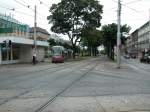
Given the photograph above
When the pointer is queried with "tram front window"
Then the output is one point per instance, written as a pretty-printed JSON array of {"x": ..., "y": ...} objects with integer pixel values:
[{"x": 56, "y": 52}]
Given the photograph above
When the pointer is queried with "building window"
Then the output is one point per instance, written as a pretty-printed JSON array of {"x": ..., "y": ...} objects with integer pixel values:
[
  {"x": 6, "y": 52},
  {"x": 16, "y": 52}
]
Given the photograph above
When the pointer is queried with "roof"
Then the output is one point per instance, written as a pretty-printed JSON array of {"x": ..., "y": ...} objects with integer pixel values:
[
  {"x": 147, "y": 23},
  {"x": 38, "y": 29},
  {"x": 140, "y": 27}
]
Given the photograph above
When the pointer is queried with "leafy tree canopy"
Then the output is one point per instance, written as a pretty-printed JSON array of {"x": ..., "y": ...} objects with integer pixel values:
[
  {"x": 110, "y": 32},
  {"x": 71, "y": 16},
  {"x": 110, "y": 37},
  {"x": 52, "y": 42},
  {"x": 92, "y": 37}
]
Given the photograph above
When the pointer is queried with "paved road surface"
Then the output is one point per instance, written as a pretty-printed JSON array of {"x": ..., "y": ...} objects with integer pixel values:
[{"x": 92, "y": 85}]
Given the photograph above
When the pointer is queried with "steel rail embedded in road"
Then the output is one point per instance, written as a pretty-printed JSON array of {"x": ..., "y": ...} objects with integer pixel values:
[
  {"x": 51, "y": 99},
  {"x": 36, "y": 71},
  {"x": 29, "y": 90}
]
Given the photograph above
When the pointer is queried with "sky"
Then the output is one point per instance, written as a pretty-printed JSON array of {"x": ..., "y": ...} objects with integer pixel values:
[{"x": 134, "y": 13}]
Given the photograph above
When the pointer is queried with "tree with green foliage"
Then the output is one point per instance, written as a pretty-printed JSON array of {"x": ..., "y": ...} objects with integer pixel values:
[
  {"x": 69, "y": 17},
  {"x": 110, "y": 37},
  {"x": 66, "y": 45},
  {"x": 52, "y": 42},
  {"x": 92, "y": 38}
]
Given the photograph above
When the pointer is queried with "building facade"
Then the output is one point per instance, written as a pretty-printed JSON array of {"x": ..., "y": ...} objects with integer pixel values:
[
  {"x": 139, "y": 40},
  {"x": 144, "y": 37},
  {"x": 16, "y": 44},
  {"x": 132, "y": 45},
  {"x": 41, "y": 34}
]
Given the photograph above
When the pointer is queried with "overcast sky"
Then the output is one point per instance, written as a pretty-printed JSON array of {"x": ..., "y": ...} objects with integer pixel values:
[{"x": 134, "y": 12}]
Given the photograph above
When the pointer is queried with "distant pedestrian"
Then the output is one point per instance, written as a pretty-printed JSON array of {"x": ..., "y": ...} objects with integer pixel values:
[{"x": 34, "y": 57}]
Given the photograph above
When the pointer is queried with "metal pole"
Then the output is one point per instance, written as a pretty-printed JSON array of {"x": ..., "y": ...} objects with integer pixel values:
[
  {"x": 149, "y": 29},
  {"x": 7, "y": 48},
  {"x": 35, "y": 24},
  {"x": 118, "y": 35},
  {"x": 0, "y": 54},
  {"x": 11, "y": 52}
]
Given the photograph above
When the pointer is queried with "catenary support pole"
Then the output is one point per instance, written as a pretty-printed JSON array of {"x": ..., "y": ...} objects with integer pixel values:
[
  {"x": 118, "y": 35},
  {"x": 35, "y": 25},
  {"x": 149, "y": 29}
]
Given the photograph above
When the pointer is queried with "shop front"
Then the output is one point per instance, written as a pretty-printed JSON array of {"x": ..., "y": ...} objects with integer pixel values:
[{"x": 17, "y": 50}]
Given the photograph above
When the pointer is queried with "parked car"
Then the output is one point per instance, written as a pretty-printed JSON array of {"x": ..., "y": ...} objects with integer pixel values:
[
  {"x": 133, "y": 56},
  {"x": 145, "y": 58},
  {"x": 127, "y": 56}
]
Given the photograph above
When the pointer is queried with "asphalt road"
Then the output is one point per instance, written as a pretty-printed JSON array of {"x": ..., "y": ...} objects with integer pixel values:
[{"x": 91, "y": 85}]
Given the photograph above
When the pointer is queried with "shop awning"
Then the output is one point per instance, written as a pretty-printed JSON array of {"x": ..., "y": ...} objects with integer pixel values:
[{"x": 25, "y": 41}]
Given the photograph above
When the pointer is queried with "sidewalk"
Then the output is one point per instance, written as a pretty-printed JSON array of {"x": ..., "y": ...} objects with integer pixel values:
[
  {"x": 136, "y": 64},
  {"x": 46, "y": 61},
  {"x": 28, "y": 67},
  {"x": 132, "y": 103}
]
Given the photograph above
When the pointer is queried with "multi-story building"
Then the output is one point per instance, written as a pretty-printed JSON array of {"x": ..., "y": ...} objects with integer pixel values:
[
  {"x": 41, "y": 34},
  {"x": 16, "y": 44},
  {"x": 133, "y": 44},
  {"x": 129, "y": 43},
  {"x": 139, "y": 40},
  {"x": 144, "y": 37}
]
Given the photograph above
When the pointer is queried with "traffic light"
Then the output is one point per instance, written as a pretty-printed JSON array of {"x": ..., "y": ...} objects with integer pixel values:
[
  {"x": 4, "y": 44},
  {"x": 9, "y": 43}
]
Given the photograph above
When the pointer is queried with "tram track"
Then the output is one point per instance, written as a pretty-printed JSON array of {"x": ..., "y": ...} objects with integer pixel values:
[
  {"x": 54, "y": 68},
  {"x": 31, "y": 89},
  {"x": 52, "y": 99},
  {"x": 31, "y": 72}
]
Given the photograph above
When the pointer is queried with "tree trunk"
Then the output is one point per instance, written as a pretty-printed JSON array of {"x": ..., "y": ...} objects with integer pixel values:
[
  {"x": 91, "y": 51},
  {"x": 95, "y": 51},
  {"x": 112, "y": 53},
  {"x": 110, "y": 49},
  {"x": 74, "y": 51}
]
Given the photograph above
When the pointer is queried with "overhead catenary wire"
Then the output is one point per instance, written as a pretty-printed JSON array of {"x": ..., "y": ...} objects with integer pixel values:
[
  {"x": 132, "y": 9},
  {"x": 14, "y": 10},
  {"x": 24, "y": 1},
  {"x": 41, "y": 2},
  {"x": 110, "y": 11},
  {"x": 126, "y": 5},
  {"x": 134, "y": 1},
  {"x": 23, "y": 13},
  {"x": 7, "y": 8},
  {"x": 28, "y": 6},
  {"x": 41, "y": 16},
  {"x": 140, "y": 19},
  {"x": 20, "y": 12},
  {"x": 21, "y": 3}
]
